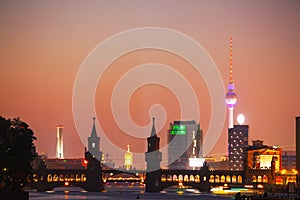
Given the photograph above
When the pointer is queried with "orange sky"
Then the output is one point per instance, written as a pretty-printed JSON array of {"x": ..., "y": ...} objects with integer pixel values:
[{"x": 43, "y": 44}]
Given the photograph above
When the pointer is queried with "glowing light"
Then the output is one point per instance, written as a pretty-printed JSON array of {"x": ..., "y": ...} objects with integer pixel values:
[
  {"x": 180, "y": 192},
  {"x": 85, "y": 162},
  {"x": 260, "y": 186},
  {"x": 67, "y": 183},
  {"x": 178, "y": 130},
  {"x": 241, "y": 119},
  {"x": 128, "y": 159},
  {"x": 295, "y": 171},
  {"x": 196, "y": 162}
]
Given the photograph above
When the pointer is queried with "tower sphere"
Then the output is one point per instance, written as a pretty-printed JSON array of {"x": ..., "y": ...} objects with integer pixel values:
[
  {"x": 231, "y": 99},
  {"x": 241, "y": 119}
]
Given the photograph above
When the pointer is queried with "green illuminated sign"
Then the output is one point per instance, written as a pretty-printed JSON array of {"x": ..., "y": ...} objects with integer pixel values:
[{"x": 178, "y": 130}]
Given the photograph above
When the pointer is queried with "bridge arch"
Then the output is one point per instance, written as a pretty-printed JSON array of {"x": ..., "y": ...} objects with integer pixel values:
[
  {"x": 228, "y": 179},
  {"x": 175, "y": 178},
  {"x": 61, "y": 178},
  {"x": 83, "y": 178},
  {"x": 197, "y": 178},
  {"x": 49, "y": 178},
  {"x": 192, "y": 178},
  {"x": 217, "y": 179},
  {"x": 222, "y": 179},
  {"x": 265, "y": 179},
  {"x": 259, "y": 178},
  {"x": 211, "y": 178},
  {"x": 240, "y": 179},
  {"x": 186, "y": 178},
  {"x": 169, "y": 178},
  {"x": 163, "y": 178},
  {"x": 233, "y": 179},
  {"x": 180, "y": 178},
  {"x": 55, "y": 178}
]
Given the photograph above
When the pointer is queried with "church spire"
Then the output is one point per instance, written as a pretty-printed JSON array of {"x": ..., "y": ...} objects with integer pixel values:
[
  {"x": 153, "y": 131},
  {"x": 94, "y": 132}
]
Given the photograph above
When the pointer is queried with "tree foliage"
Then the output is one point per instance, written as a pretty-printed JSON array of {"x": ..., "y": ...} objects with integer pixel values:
[{"x": 17, "y": 150}]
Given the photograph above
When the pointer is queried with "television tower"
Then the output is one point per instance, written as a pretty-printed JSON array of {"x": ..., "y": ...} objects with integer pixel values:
[{"x": 231, "y": 97}]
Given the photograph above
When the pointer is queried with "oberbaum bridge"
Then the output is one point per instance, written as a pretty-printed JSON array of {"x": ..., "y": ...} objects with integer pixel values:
[{"x": 93, "y": 178}]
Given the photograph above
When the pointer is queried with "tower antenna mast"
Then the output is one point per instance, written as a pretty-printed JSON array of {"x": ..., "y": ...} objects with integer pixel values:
[
  {"x": 231, "y": 97},
  {"x": 230, "y": 79}
]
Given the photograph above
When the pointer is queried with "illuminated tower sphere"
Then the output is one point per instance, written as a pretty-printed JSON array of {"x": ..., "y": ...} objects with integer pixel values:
[
  {"x": 59, "y": 142},
  {"x": 231, "y": 97},
  {"x": 128, "y": 159}
]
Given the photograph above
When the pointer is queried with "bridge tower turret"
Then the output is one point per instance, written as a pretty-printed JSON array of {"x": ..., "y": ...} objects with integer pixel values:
[
  {"x": 94, "y": 181},
  {"x": 153, "y": 158}
]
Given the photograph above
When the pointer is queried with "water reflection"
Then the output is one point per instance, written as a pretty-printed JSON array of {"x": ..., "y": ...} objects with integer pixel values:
[{"x": 75, "y": 193}]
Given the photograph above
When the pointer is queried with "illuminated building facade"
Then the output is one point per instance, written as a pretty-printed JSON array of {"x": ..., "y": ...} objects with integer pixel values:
[
  {"x": 128, "y": 159},
  {"x": 298, "y": 145},
  {"x": 94, "y": 143},
  {"x": 59, "y": 142},
  {"x": 185, "y": 140},
  {"x": 260, "y": 156},
  {"x": 237, "y": 142},
  {"x": 231, "y": 97}
]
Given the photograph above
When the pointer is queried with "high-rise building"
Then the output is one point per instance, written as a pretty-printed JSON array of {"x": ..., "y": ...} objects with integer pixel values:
[
  {"x": 94, "y": 143},
  {"x": 231, "y": 97},
  {"x": 185, "y": 140},
  {"x": 128, "y": 159},
  {"x": 237, "y": 143},
  {"x": 59, "y": 141},
  {"x": 298, "y": 144}
]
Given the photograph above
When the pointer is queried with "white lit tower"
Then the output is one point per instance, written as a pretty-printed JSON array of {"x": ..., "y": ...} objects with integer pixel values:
[
  {"x": 59, "y": 141},
  {"x": 231, "y": 97},
  {"x": 128, "y": 159}
]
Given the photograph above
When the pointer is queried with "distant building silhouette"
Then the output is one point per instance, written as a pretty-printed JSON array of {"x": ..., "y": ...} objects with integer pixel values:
[
  {"x": 59, "y": 141},
  {"x": 94, "y": 143},
  {"x": 288, "y": 160},
  {"x": 237, "y": 143},
  {"x": 185, "y": 139}
]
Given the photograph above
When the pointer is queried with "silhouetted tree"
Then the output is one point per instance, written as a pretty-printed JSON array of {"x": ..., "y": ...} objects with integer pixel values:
[{"x": 17, "y": 150}]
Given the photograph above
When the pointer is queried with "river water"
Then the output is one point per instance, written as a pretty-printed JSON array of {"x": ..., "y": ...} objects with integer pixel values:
[{"x": 123, "y": 193}]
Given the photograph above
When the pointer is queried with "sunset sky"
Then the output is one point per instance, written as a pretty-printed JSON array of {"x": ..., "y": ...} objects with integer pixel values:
[{"x": 44, "y": 43}]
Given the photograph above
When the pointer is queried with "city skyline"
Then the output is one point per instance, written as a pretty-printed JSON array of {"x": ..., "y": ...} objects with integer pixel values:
[{"x": 45, "y": 43}]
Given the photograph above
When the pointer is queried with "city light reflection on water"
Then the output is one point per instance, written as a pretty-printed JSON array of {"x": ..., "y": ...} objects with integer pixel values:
[{"x": 74, "y": 193}]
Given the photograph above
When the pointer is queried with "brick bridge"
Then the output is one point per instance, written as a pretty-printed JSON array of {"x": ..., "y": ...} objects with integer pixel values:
[
  {"x": 93, "y": 178},
  {"x": 203, "y": 179},
  {"x": 89, "y": 179}
]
